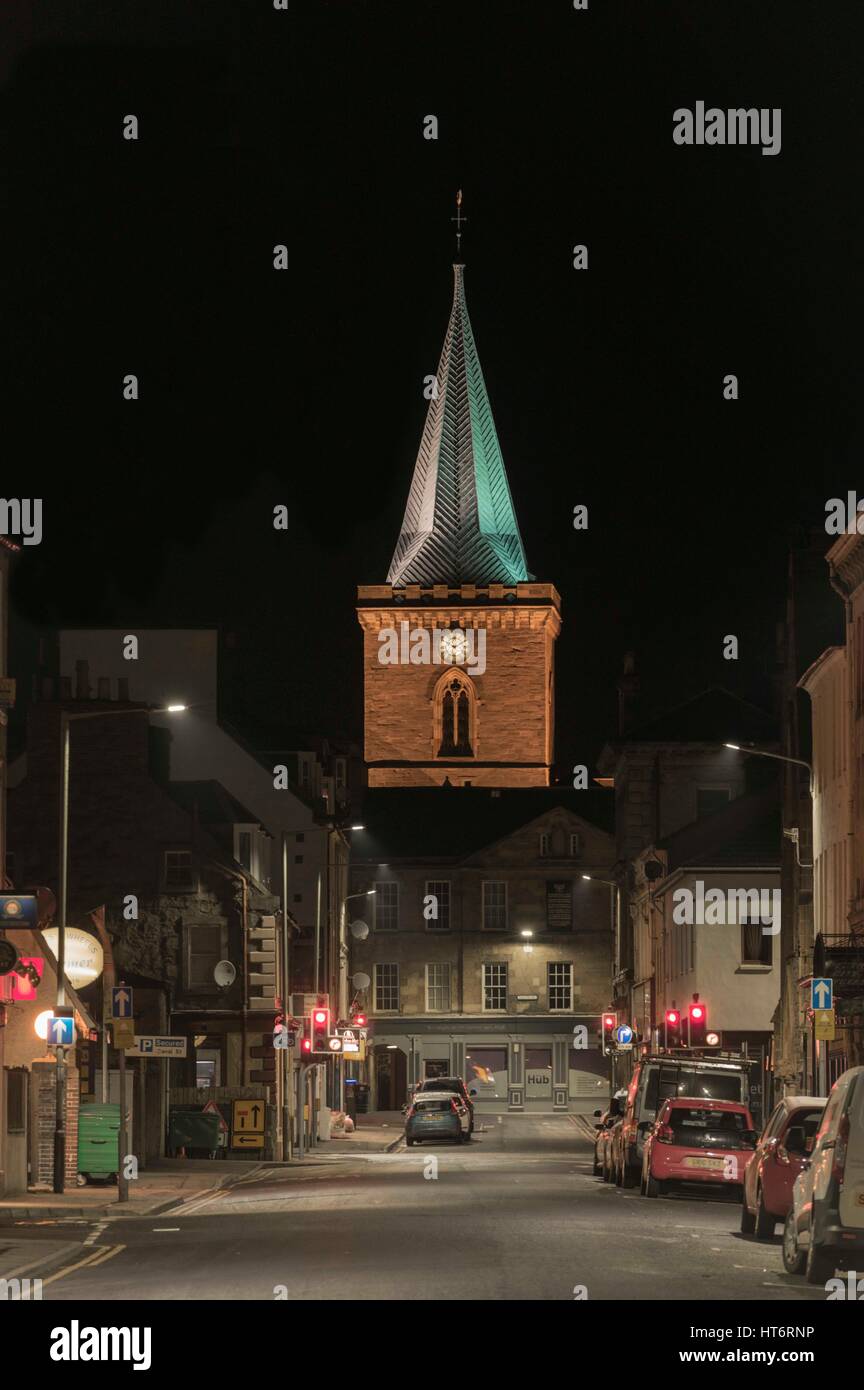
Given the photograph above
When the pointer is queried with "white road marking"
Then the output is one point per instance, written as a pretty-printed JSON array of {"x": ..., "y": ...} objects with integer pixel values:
[
  {"x": 94, "y": 1236},
  {"x": 165, "y": 1228}
]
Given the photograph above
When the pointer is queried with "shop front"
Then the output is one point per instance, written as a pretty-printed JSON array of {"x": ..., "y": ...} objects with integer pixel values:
[{"x": 516, "y": 1066}]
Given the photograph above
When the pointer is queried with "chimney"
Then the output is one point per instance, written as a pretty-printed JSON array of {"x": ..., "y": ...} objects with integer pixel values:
[
  {"x": 122, "y": 687},
  {"x": 82, "y": 681},
  {"x": 628, "y": 695},
  {"x": 103, "y": 688}
]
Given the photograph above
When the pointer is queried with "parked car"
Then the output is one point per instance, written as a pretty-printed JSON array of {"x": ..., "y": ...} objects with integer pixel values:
[
  {"x": 437, "y": 1115},
  {"x": 657, "y": 1078},
  {"x": 825, "y": 1223},
  {"x": 783, "y": 1145},
  {"x": 454, "y": 1084},
  {"x": 696, "y": 1140}
]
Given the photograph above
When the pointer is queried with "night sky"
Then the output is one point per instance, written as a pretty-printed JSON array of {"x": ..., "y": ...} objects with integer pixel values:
[{"x": 305, "y": 387}]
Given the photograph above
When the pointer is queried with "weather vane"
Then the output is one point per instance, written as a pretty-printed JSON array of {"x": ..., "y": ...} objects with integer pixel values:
[{"x": 459, "y": 219}]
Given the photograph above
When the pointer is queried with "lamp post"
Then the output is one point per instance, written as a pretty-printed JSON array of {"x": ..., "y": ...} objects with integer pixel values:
[
  {"x": 616, "y": 952},
  {"x": 778, "y": 757},
  {"x": 819, "y": 1051},
  {"x": 63, "y": 882}
]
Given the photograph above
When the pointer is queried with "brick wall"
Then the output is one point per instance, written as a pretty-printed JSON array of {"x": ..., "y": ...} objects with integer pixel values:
[{"x": 42, "y": 1112}]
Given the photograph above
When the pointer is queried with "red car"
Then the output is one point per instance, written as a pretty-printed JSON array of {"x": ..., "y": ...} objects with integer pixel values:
[
  {"x": 696, "y": 1140},
  {"x": 771, "y": 1172}
]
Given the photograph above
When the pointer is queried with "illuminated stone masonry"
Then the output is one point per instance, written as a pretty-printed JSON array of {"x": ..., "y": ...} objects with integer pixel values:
[{"x": 427, "y": 721}]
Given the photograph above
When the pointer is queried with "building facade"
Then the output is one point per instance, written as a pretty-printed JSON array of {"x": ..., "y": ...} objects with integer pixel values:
[
  {"x": 459, "y": 644},
  {"x": 489, "y": 947}
]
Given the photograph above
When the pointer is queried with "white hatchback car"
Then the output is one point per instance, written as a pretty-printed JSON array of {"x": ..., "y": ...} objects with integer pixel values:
[{"x": 825, "y": 1224}]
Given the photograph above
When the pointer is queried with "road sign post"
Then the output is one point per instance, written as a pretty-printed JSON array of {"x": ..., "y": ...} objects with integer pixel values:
[{"x": 821, "y": 993}]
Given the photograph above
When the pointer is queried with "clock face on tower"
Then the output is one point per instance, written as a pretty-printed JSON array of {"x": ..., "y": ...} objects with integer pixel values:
[{"x": 454, "y": 645}]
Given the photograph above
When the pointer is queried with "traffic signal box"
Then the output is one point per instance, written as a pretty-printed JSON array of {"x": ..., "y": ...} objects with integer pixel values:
[
  {"x": 672, "y": 1028},
  {"x": 697, "y": 1025},
  {"x": 609, "y": 1024},
  {"x": 320, "y": 1029}
]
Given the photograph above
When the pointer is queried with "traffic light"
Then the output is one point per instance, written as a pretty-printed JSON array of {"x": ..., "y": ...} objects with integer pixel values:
[
  {"x": 359, "y": 1020},
  {"x": 672, "y": 1024},
  {"x": 306, "y": 1039},
  {"x": 609, "y": 1024},
  {"x": 320, "y": 1028},
  {"x": 697, "y": 1020}
]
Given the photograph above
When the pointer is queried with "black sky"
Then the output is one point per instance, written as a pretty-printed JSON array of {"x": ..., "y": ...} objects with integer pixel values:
[{"x": 305, "y": 387}]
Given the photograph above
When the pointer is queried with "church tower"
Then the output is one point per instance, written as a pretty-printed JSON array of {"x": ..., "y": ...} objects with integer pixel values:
[{"x": 459, "y": 643}]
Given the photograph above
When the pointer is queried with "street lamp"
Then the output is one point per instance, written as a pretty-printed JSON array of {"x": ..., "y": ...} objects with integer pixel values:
[
  {"x": 610, "y": 883},
  {"x": 778, "y": 757},
  {"x": 60, "y": 1091}
]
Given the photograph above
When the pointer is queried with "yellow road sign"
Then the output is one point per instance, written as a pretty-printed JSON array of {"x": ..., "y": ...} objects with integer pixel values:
[
  {"x": 247, "y": 1116},
  {"x": 824, "y": 1020},
  {"x": 247, "y": 1141},
  {"x": 123, "y": 1030}
]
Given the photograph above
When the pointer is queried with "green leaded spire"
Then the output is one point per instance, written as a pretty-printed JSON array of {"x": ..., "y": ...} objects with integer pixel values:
[{"x": 459, "y": 525}]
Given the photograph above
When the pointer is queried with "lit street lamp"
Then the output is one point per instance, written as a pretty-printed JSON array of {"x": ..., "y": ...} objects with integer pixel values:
[
  {"x": 778, "y": 757},
  {"x": 60, "y": 1093}
]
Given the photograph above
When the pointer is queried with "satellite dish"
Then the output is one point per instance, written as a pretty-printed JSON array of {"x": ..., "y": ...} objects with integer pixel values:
[
  {"x": 359, "y": 930},
  {"x": 224, "y": 973},
  {"x": 360, "y": 981}
]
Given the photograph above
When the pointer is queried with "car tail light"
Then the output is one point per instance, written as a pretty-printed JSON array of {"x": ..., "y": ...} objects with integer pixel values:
[
  {"x": 454, "y": 1107},
  {"x": 839, "y": 1165},
  {"x": 665, "y": 1134}
]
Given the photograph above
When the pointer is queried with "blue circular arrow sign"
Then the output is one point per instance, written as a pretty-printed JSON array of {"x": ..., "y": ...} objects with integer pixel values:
[{"x": 624, "y": 1034}]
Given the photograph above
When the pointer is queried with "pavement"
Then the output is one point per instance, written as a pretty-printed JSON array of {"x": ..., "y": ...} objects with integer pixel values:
[
  {"x": 167, "y": 1183},
  {"x": 514, "y": 1215}
]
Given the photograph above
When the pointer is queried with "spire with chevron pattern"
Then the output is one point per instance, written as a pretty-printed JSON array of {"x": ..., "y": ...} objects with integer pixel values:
[{"x": 459, "y": 525}]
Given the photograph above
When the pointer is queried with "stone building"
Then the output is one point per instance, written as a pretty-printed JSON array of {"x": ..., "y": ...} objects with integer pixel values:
[
  {"x": 489, "y": 953},
  {"x": 489, "y": 950},
  {"x": 670, "y": 771},
  {"x": 459, "y": 644},
  {"x": 8, "y": 549},
  {"x": 159, "y": 860},
  {"x": 835, "y": 685}
]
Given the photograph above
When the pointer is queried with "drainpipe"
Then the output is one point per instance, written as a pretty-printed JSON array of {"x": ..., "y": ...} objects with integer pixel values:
[
  {"x": 850, "y": 722},
  {"x": 244, "y": 911}
]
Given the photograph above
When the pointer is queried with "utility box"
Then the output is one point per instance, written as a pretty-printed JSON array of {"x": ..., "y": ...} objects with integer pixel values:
[{"x": 98, "y": 1141}]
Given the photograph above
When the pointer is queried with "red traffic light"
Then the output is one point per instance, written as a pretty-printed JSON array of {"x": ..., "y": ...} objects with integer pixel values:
[
  {"x": 609, "y": 1021},
  {"x": 673, "y": 1018},
  {"x": 697, "y": 1013},
  {"x": 359, "y": 1020},
  {"x": 319, "y": 1017}
]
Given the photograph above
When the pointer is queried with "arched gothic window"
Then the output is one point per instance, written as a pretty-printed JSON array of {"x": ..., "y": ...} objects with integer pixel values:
[{"x": 455, "y": 711}]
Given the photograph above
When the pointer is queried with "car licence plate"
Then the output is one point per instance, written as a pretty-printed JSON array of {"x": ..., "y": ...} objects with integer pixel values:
[{"x": 715, "y": 1164}]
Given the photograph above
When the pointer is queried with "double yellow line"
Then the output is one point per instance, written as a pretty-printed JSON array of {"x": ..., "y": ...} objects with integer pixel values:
[{"x": 98, "y": 1257}]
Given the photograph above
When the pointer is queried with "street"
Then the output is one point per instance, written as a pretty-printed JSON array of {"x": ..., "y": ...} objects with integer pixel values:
[{"x": 517, "y": 1215}]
